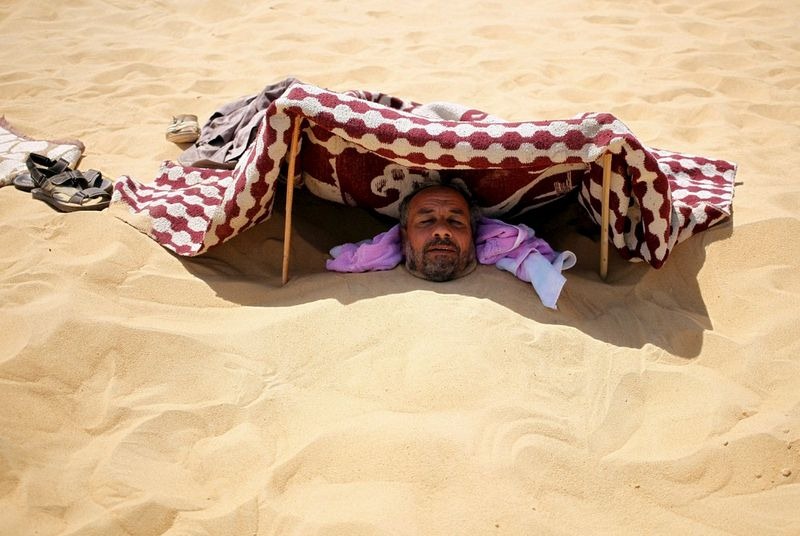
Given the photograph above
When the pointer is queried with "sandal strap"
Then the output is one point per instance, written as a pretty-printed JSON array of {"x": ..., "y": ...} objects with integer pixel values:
[
  {"x": 71, "y": 177},
  {"x": 41, "y": 167},
  {"x": 95, "y": 178},
  {"x": 89, "y": 193}
]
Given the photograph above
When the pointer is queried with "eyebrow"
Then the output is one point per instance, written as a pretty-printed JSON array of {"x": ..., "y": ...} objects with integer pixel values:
[{"x": 430, "y": 210}]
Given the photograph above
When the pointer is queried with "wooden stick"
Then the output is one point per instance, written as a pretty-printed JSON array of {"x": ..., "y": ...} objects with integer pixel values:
[
  {"x": 605, "y": 216},
  {"x": 287, "y": 226}
]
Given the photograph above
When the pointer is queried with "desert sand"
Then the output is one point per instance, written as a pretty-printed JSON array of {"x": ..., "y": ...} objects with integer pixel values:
[{"x": 144, "y": 393}]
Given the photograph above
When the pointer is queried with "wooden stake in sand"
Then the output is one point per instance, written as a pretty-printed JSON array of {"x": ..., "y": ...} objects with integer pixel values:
[
  {"x": 287, "y": 227},
  {"x": 604, "y": 216}
]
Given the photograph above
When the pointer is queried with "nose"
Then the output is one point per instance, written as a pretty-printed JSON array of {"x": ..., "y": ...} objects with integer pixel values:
[{"x": 442, "y": 230}]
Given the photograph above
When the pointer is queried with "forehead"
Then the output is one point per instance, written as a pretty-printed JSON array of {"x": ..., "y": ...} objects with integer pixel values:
[{"x": 438, "y": 198}]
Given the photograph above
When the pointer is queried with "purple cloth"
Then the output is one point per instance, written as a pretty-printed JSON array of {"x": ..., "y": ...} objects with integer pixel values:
[
  {"x": 383, "y": 252},
  {"x": 514, "y": 248},
  {"x": 496, "y": 239}
]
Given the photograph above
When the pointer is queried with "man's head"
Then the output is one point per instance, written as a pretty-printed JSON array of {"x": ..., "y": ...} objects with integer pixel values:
[{"x": 437, "y": 225}]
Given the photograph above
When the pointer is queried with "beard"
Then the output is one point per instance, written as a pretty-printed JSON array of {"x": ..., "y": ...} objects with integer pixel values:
[{"x": 437, "y": 266}]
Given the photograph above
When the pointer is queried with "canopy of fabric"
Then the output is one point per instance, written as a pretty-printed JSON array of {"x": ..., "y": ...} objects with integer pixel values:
[{"x": 370, "y": 150}]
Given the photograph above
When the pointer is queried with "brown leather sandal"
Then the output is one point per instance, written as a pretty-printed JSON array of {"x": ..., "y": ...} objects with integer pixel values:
[
  {"x": 72, "y": 190},
  {"x": 40, "y": 168}
]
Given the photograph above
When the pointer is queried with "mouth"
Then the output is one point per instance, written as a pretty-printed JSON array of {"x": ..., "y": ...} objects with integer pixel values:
[{"x": 441, "y": 248}]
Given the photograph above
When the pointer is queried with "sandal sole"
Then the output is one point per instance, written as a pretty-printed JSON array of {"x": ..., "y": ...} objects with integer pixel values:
[
  {"x": 189, "y": 137},
  {"x": 65, "y": 207}
]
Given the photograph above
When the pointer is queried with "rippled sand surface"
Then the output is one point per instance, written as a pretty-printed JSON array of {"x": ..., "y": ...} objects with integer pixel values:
[{"x": 143, "y": 393}]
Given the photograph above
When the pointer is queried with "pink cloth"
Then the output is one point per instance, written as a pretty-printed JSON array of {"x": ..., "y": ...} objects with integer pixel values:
[
  {"x": 383, "y": 252},
  {"x": 514, "y": 248}
]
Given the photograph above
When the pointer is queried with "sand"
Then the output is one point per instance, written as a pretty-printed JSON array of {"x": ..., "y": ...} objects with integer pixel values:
[{"x": 143, "y": 393}]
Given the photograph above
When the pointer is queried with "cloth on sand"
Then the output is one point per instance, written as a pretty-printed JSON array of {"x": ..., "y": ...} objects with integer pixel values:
[
  {"x": 382, "y": 252},
  {"x": 517, "y": 249},
  {"x": 358, "y": 150},
  {"x": 16, "y": 146},
  {"x": 232, "y": 128},
  {"x": 514, "y": 248}
]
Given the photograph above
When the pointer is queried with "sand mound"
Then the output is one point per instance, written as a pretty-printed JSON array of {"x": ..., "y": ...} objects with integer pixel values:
[{"x": 144, "y": 393}]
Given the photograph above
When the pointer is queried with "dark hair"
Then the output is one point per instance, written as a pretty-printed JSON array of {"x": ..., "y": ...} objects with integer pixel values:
[{"x": 474, "y": 210}]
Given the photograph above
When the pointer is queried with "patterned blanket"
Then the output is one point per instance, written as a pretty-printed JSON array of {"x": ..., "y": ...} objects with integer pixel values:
[
  {"x": 369, "y": 150},
  {"x": 16, "y": 146}
]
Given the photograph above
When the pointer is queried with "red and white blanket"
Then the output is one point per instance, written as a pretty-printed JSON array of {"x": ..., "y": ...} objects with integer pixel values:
[{"x": 370, "y": 150}]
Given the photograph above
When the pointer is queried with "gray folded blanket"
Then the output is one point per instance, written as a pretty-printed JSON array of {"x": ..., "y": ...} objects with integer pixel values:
[{"x": 231, "y": 129}]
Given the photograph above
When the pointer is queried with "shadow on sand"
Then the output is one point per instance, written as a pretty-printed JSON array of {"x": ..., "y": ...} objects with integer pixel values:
[{"x": 636, "y": 306}]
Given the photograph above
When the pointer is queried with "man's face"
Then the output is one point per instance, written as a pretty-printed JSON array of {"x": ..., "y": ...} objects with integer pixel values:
[{"x": 437, "y": 239}]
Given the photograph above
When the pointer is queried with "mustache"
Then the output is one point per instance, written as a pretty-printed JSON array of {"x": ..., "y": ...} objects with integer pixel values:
[{"x": 441, "y": 242}]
